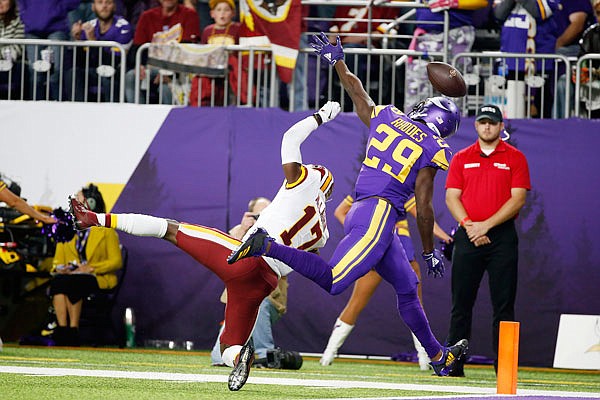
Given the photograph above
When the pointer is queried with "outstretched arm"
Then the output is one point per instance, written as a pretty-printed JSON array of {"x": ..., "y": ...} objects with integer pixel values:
[
  {"x": 291, "y": 157},
  {"x": 14, "y": 201},
  {"x": 361, "y": 99},
  {"x": 334, "y": 55}
]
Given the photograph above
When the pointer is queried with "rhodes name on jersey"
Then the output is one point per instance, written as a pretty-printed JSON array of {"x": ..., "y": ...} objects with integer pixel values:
[{"x": 397, "y": 149}]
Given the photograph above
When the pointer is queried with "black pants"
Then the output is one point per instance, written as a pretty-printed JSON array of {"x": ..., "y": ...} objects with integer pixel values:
[{"x": 469, "y": 263}]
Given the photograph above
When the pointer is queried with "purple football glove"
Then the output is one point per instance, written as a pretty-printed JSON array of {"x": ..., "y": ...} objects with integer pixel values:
[
  {"x": 327, "y": 51},
  {"x": 435, "y": 263}
]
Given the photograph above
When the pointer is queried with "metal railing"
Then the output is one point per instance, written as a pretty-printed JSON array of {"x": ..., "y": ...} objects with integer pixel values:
[
  {"x": 42, "y": 74},
  {"x": 506, "y": 81},
  {"x": 91, "y": 71},
  {"x": 587, "y": 84}
]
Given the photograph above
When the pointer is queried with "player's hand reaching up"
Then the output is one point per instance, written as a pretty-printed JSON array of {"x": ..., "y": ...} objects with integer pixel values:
[
  {"x": 327, "y": 51},
  {"x": 329, "y": 111}
]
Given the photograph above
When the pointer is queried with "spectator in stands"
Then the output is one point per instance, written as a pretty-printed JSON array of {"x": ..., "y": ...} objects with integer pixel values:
[
  {"x": 572, "y": 17},
  {"x": 429, "y": 36},
  {"x": 133, "y": 9},
  {"x": 82, "y": 266},
  {"x": 529, "y": 27},
  {"x": 11, "y": 27},
  {"x": 105, "y": 27},
  {"x": 46, "y": 19},
  {"x": 223, "y": 32},
  {"x": 159, "y": 19},
  {"x": 590, "y": 75}
]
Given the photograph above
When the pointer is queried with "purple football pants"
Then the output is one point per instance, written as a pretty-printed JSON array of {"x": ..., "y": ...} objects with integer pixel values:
[{"x": 369, "y": 243}]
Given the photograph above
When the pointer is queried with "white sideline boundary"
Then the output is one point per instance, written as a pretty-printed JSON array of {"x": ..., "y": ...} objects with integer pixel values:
[{"x": 181, "y": 377}]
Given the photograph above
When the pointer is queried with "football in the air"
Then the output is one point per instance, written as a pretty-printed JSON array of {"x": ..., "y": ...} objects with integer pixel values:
[{"x": 446, "y": 79}]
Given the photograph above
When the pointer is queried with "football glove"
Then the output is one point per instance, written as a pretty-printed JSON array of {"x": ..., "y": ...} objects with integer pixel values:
[
  {"x": 327, "y": 51},
  {"x": 329, "y": 111},
  {"x": 435, "y": 263},
  {"x": 441, "y": 5}
]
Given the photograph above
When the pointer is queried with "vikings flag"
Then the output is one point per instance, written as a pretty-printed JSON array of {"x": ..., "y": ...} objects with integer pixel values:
[{"x": 274, "y": 23}]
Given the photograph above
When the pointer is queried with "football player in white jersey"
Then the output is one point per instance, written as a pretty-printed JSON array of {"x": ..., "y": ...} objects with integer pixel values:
[{"x": 296, "y": 217}]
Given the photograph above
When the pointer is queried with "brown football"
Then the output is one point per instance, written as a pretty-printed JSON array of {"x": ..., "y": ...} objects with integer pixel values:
[{"x": 446, "y": 79}]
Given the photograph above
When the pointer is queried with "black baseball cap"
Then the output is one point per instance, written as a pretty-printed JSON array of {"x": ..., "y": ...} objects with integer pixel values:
[{"x": 489, "y": 111}]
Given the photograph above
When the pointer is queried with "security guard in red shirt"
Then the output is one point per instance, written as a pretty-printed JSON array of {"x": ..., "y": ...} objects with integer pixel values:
[{"x": 486, "y": 187}]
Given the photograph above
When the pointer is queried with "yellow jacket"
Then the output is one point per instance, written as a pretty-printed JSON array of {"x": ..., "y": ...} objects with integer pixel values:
[{"x": 102, "y": 251}]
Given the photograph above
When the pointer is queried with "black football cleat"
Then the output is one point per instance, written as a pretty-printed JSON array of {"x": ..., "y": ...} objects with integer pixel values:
[
  {"x": 84, "y": 218},
  {"x": 450, "y": 356},
  {"x": 254, "y": 246},
  {"x": 241, "y": 371}
]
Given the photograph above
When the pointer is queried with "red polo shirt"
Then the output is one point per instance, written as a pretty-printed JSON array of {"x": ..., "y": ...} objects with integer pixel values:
[
  {"x": 486, "y": 181},
  {"x": 152, "y": 21}
]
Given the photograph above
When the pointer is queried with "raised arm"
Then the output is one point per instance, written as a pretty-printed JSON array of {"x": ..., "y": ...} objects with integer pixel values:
[
  {"x": 291, "y": 157},
  {"x": 14, "y": 201},
  {"x": 334, "y": 55}
]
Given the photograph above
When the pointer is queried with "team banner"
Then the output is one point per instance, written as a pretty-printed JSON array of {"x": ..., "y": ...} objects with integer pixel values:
[{"x": 274, "y": 23}]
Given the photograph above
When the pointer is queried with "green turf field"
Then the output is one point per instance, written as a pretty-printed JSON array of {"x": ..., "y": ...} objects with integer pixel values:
[{"x": 86, "y": 374}]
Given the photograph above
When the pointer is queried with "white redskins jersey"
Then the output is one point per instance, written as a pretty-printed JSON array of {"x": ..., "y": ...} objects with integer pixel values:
[{"x": 296, "y": 216}]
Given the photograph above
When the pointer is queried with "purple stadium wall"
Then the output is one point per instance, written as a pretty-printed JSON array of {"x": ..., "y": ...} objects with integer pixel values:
[{"x": 205, "y": 164}]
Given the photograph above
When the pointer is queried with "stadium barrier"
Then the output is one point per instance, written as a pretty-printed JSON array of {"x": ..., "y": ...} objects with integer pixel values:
[
  {"x": 522, "y": 85},
  {"x": 45, "y": 67}
]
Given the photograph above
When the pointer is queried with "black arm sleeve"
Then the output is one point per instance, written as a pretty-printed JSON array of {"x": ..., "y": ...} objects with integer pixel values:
[
  {"x": 502, "y": 10},
  {"x": 532, "y": 8}
]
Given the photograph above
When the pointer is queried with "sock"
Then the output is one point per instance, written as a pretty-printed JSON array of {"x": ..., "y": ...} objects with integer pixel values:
[
  {"x": 135, "y": 224},
  {"x": 340, "y": 332},
  {"x": 308, "y": 264},
  {"x": 230, "y": 353},
  {"x": 412, "y": 314}
]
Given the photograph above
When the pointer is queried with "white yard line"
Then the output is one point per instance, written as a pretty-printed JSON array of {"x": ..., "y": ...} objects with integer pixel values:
[{"x": 165, "y": 376}]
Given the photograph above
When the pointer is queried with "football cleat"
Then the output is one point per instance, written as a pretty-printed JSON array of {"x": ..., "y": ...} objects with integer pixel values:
[
  {"x": 450, "y": 355},
  {"x": 254, "y": 246},
  {"x": 84, "y": 218},
  {"x": 239, "y": 375}
]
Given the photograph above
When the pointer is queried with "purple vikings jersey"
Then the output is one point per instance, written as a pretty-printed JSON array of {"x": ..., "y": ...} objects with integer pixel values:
[
  {"x": 520, "y": 26},
  {"x": 120, "y": 31},
  {"x": 397, "y": 149}
]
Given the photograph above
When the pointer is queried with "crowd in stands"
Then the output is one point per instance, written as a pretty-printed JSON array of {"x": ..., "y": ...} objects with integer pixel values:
[{"x": 525, "y": 26}]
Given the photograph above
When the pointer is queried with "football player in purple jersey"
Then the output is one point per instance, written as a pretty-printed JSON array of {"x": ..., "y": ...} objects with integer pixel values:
[{"x": 404, "y": 152}]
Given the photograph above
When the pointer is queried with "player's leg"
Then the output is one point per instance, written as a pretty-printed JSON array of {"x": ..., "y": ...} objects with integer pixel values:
[
  {"x": 395, "y": 268},
  {"x": 361, "y": 294},
  {"x": 369, "y": 224},
  {"x": 245, "y": 292},
  {"x": 370, "y": 230},
  {"x": 409, "y": 249},
  {"x": 134, "y": 224}
]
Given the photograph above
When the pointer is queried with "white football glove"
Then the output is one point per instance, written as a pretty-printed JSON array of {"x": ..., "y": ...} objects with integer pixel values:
[{"x": 329, "y": 111}]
